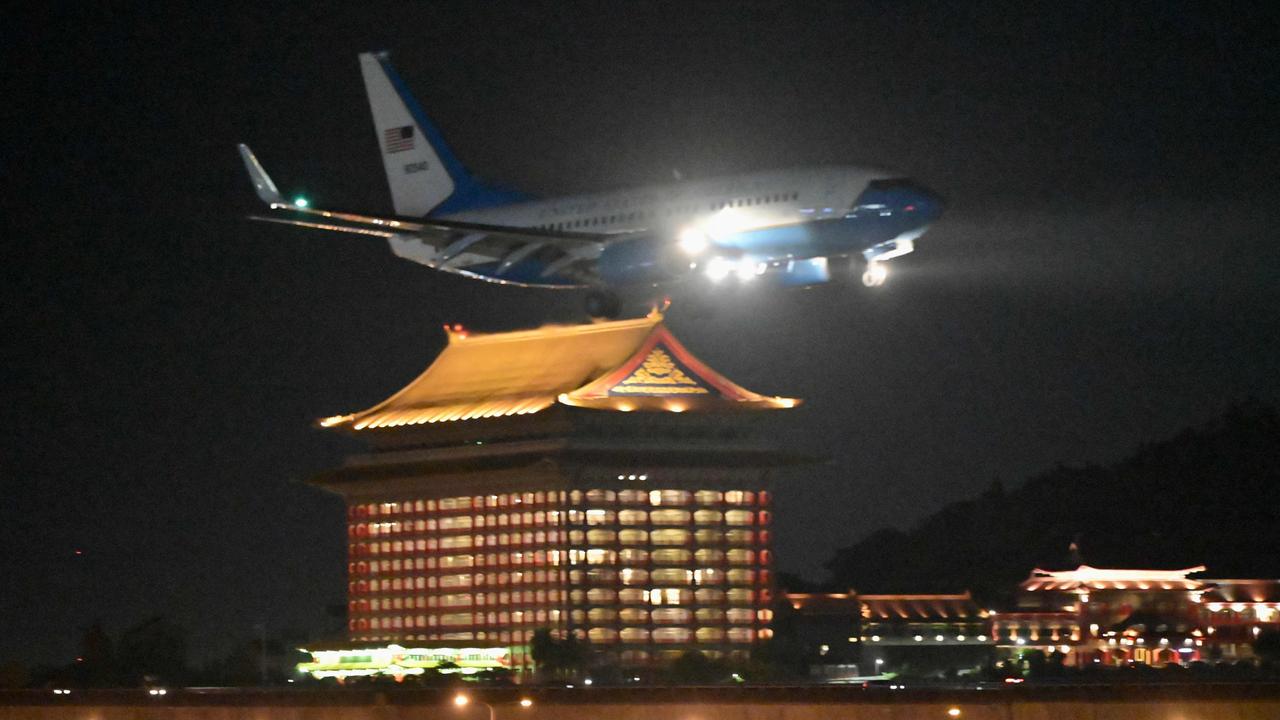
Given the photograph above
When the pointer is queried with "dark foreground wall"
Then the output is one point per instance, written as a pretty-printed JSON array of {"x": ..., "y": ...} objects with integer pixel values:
[{"x": 1138, "y": 702}]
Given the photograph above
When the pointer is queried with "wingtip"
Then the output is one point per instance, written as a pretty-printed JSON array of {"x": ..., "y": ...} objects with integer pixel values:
[{"x": 262, "y": 184}]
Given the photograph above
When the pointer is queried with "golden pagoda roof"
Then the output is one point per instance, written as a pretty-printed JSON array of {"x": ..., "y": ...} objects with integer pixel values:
[{"x": 620, "y": 365}]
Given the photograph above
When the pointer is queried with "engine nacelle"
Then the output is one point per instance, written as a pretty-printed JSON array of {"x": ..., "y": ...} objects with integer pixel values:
[{"x": 643, "y": 260}]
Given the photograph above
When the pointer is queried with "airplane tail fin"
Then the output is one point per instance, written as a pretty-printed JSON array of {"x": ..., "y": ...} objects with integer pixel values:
[{"x": 424, "y": 174}]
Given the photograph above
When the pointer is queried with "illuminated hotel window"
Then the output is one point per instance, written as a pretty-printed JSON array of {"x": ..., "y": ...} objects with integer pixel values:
[
  {"x": 669, "y": 517},
  {"x": 739, "y": 537},
  {"x": 708, "y": 537},
  {"x": 708, "y": 517},
  {"x": 740, "y": 616},
  {"x": 602, "y": 576},
  {"x": 634, "y": 537},
  {"x": 633, "y": 615},
  {"x": 741, "y": 635},
  {"x": 601, "y": 537},
  {"x": 671, "y": 635},
  {"x": 602, "y": 635},
  {"x": 632, "y": 556},
  {"x": 601, "y": 596},
  {"x": 601, "y": 615},
  {"x": 709, "y": 497},
  {"x": 632, "y": 596},
  {"x": 710, "y": 596},
  {"x": 708, "y": 556},
  {"x": 633, "y": 497},
  {"x": 741, "y": 557},
  {"x": 670, "y": 497},
  {"x": 671, "y": 557},
  {"x": 634, "y": 635},
  {"x": 632, "y": 517},
  {"x": 710, "y": 616},
  {"x": 709, "y": 635},
  {"x": 669, "y": 537},
  {"x": 739, "y": 497},
  {"x": 671, "y": 576},
  {"x": 738, "y": 596},
  {"x": 739, "y": 517},
  {"x": 671, "y": 616},
  {"x": 600, "y": 496}
]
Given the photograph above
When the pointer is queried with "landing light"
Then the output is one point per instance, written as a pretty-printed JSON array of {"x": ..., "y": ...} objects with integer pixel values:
[
  {"x": 300, "y": 201},
  {"x": 718, "y": 269},
  {"x": 693, "y": 241}
]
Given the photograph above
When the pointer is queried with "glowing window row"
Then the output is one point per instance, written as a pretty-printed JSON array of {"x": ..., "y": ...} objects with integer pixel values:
[
  {"x": 592, "y": 518},
  {"x": 664, "y": 635},
  {"x": 663, "y": 576},
  {"x": 477, "y": 502},
  {"x": 594, "y": 596},
  {"x": 668, "y": 516},
  {"x": 421, "y": 602},
  {"x": 627, "y": 576},
  {"x": 593, "y": 556},
  {"x": 671, "y": 497},
  {"x": 459, "y": 523},
  {"x": 409, "y": 622},
  {"x": 557, "y": 498},
  {"x": 677, "y": 616},
  {"x": 607, "y": 560},
  {"x": 669, "y": 537},
  {"x": 544, "y": 595},
  {"x": 517, "y": 636}
]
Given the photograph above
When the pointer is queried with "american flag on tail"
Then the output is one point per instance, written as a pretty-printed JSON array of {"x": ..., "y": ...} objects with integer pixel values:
[{"x": 398, "y": 139}]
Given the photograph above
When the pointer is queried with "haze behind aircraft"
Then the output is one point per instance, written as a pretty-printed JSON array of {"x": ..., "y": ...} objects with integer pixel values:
[{"x": 780, "y": 226}]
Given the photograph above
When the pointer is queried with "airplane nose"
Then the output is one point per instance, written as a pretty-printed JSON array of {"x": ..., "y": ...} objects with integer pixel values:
[
  {"x": 927, "y": 203},
  {"x": 906, "y": 196}
]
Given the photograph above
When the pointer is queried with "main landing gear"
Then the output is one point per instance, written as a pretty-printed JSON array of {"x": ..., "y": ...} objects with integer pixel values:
[{"x": 875, "y": 274}]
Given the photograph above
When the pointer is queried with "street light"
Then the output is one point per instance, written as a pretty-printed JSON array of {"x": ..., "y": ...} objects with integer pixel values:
[{"x": 462, "y": 700}]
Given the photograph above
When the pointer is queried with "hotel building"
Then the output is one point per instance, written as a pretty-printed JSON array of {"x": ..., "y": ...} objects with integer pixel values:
[{"x": 597, "y": 480}]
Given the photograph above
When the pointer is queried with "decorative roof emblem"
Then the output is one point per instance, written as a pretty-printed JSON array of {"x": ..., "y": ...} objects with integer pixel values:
[{"x": 659, "y": 374}]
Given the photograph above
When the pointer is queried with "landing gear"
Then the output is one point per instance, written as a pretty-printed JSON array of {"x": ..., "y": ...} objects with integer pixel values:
[
  {"x": 875, "y": 274},
  {"x": 602, "y": 304}
]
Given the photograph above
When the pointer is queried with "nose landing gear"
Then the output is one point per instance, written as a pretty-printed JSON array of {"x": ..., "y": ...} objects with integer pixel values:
[{"x": 875, "y": 274}]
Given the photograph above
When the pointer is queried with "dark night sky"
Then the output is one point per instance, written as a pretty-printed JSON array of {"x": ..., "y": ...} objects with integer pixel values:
[{"x": 1105, "y": 275}]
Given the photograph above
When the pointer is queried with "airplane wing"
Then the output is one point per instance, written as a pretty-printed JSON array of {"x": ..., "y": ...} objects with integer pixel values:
[{"x": 486, "y": 252}]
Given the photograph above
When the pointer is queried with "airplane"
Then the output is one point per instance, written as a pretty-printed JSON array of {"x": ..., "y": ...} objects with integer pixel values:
[{"x": 784, "y": 226}]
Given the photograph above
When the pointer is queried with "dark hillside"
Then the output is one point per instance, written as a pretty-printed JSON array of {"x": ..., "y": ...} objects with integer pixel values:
[{"x": 1209, "y": 495}]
